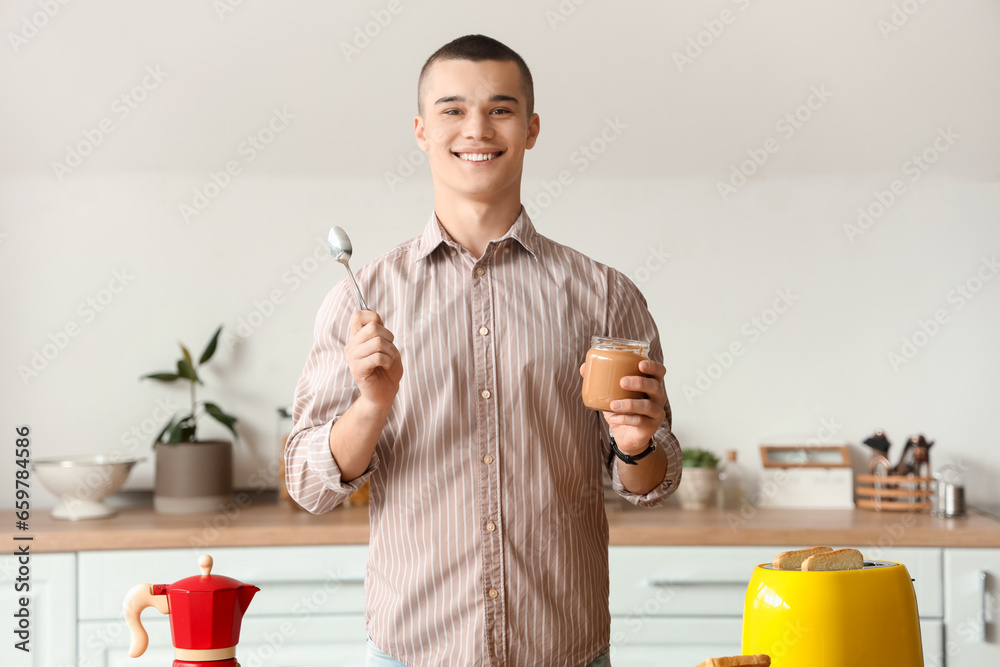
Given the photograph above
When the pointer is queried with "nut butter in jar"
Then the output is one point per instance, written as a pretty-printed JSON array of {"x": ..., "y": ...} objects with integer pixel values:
[{"x": 608, "y": 361}]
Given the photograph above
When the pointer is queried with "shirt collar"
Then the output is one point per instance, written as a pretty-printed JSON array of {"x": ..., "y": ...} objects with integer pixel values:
[{"x": 434, "y": 235}]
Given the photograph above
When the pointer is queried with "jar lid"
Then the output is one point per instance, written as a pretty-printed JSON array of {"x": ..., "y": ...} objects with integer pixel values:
[{"x": 607, "y": 343}]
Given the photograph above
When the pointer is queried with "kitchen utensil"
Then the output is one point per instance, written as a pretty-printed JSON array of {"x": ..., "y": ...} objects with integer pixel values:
[
  {"x": 915, "y": 459},
  {"x": 205, "y": 610},
  {"x": 906, "y": 464},
  {"x": 922, "y": 456},
  {"x": 341, "y": 250},
  {"x": 879, "y": 443},
  {"x": 82, "y": 483},
  {"x": 847, "y": 618}
]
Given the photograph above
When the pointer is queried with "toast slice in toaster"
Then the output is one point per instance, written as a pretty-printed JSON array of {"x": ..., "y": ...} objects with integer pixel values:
[
  {"x": 792, "y": 560},
  {"x": 842, "y": 559},
  {"x": 739, "y": 661}
]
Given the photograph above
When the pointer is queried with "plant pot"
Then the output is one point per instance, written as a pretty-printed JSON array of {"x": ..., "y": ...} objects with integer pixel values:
[
  {"x": 193, "y": 477},
  {"x": 698, "y": 488}
]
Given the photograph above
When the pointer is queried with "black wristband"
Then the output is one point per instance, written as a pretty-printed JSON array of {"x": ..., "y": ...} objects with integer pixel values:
[{"x": 631, "y": 460}]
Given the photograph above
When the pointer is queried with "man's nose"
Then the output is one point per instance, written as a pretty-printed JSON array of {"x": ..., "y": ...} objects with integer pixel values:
[{"x": 477, "y": 126}]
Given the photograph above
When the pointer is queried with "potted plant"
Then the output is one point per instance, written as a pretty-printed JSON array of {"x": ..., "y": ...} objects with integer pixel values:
[
  {"x": 700, "y": 480},
  {"x": 192, "y": 475}
]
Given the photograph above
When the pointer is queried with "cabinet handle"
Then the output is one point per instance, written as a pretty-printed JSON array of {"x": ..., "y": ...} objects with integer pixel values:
[
  {"x": 984, "y": 620},
  {"x": 685, "y": 583}
]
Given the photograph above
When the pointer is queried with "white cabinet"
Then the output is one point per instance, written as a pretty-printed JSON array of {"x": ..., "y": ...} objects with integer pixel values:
[
  {"x": 650, "y": 641},
  {"x": 269, "y": 641},
  {"x": 972, "y": 607},
  {"x": 51, "y": 579},
  {"x": 681, "y": 605},
  {"x": 310, "y": 606},
  {"x": 293, "y": 580},
  {"x": 669, "y": 605}
]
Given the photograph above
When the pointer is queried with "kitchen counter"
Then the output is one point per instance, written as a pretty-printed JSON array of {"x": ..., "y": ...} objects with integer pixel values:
[{"x": 275, "y": 524}]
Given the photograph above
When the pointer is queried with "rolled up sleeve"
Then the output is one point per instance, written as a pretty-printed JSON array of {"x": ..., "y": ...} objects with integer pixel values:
[
  {"x": 324, "y": 392},
  {"x": 658, "y": 495},
  {"x": 629, "y": 317}
]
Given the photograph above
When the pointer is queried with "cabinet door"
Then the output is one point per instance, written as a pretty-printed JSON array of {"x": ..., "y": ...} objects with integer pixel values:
[
  {"x": 648, "y": 641},
  {"x": 51, "y": 579},
  {"x": 681, "y": 605},
  {"x": 972, "y": 607},
  {"x": 273, "y": 641},
  {"x": 712, "y": 581},
  {"x": 292, "y": 580},
  {"x": 682, "y": 581},
  {"x": 655, "y": 642}
]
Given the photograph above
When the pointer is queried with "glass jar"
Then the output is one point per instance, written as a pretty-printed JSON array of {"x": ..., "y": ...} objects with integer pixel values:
[
  {"x": 608, "y": 361},
  {"x": 732, "y": 483},
  {"x": 284, "y": 429}
]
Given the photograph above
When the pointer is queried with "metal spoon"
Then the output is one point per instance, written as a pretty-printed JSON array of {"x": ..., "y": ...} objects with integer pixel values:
[{"x": 340, "y": 249}]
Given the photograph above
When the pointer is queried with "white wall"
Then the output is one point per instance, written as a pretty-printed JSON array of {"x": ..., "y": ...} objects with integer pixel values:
[{"x": 884, "y": 95}]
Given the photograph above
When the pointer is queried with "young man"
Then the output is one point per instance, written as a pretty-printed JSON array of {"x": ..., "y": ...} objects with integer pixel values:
[{"x": 458, "y": 398}]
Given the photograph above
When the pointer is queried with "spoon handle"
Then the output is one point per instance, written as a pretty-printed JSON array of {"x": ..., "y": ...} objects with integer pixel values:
[{"x": 357, "y": 290}]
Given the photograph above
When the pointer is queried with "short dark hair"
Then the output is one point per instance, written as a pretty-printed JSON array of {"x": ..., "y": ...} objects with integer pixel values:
[{"x": 478, "y": 48}]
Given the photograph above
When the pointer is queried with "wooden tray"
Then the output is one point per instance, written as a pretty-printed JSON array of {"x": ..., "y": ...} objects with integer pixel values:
[{"x": 895, "y": 493}]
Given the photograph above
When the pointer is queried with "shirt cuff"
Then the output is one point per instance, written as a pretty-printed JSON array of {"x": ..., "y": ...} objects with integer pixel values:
[{"x": 320, "y": 460}]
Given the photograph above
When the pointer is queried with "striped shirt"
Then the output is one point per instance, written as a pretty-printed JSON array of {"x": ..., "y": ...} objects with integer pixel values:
[{"x": 489, "y": 540}]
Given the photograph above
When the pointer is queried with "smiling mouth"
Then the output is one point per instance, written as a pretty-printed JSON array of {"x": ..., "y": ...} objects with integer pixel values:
[{"x": 478, "y": 157}]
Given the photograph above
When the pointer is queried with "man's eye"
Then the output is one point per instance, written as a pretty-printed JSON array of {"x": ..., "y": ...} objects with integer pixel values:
[
  {"x": 452, "y": 112},
  {"x": 501, "y": 111}
]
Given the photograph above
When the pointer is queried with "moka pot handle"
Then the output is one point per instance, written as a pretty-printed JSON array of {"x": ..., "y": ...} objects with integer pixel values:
[{"x": 137, "y": 599}]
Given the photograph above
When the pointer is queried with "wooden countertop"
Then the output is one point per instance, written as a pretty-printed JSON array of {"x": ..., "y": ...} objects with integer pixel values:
[{"x": 271, "y": 524}]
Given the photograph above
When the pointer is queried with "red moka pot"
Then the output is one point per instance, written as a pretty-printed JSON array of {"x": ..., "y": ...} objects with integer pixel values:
[{"x": 205, "y": 610}]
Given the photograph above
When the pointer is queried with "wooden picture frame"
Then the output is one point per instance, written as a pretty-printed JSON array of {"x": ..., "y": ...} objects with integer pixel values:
[{"x": 805, "y": 456}]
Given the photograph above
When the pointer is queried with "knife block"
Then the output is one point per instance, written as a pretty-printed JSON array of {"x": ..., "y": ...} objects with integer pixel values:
[{"x": 895, "y": 493}]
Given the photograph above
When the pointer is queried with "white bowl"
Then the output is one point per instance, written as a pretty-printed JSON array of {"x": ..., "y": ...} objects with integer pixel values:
[{"x": 82, "y": 483}]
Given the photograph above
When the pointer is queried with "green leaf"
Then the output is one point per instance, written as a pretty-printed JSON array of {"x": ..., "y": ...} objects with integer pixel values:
[
  {"x": 162, "y": 377},
  {"x": 210, "y": 350},
  {"x": 226, "y": 420},
  {"x": 159, "y": 436},
  {"x": 187, "y": 355},
  {"x": 175, "y": 434},
  {"x": 186, "y": 371},
  {"x": 188, "y": 434},
  {"x": 182, "y": 431}
]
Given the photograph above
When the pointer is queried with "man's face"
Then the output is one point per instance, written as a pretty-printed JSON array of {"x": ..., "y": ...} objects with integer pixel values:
[{"x": 471, "y": 111}]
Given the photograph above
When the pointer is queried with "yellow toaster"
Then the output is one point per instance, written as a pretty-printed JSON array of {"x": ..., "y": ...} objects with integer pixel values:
[{"x": 848, "y": 618}]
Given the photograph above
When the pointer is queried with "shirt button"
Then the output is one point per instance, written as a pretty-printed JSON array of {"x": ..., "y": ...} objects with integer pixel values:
[
  {"x": 483, "y": 331},
  {"x": 453, "y": 252},
  {"x": 486, "y": 393},
  {"x": 487, "y": 459},
  {"x": 493, "y": 593},
  {"x": 491, "y": 526},
  {"x": 506, "y": 250},
  {"x": 480, "y": 271}
]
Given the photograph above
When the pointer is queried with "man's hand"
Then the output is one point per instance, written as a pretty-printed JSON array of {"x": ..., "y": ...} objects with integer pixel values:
[
  {"x": 634, "y": 421},
  {"x": 372, "y": 358}
]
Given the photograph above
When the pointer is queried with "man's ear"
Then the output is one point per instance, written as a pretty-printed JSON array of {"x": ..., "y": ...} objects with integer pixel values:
[
  {"x": 419, "y": 133},
  {"x": 534, "y": 125}
]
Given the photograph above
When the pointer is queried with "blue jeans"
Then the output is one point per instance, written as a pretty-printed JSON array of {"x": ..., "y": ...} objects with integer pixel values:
[{"x": 377, "y": 658}]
